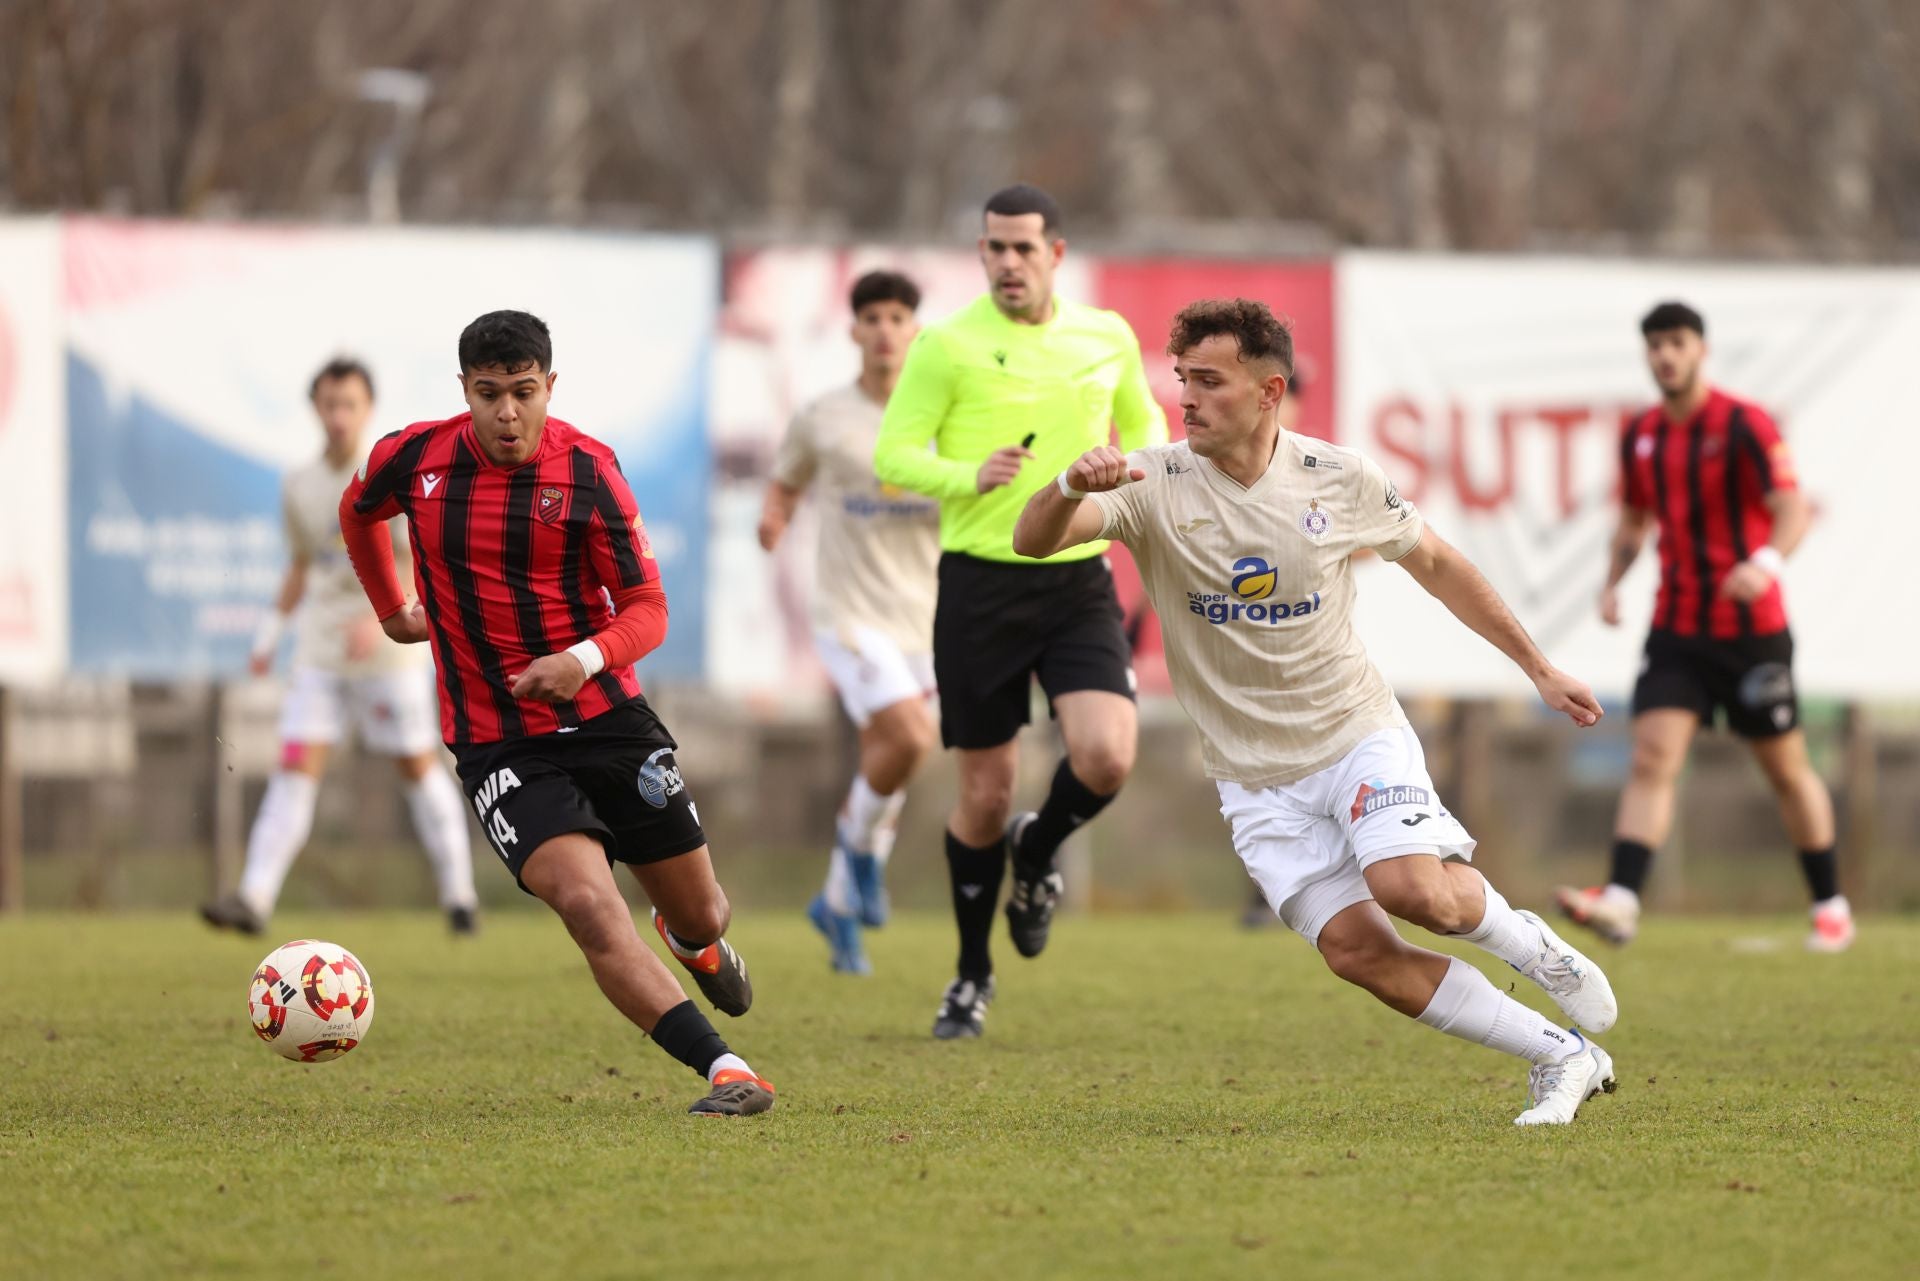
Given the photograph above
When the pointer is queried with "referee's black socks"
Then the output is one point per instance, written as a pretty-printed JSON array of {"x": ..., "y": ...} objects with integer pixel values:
[
  {"x": 1069, "y": 804},
  {"x": 976, "y": 874}
]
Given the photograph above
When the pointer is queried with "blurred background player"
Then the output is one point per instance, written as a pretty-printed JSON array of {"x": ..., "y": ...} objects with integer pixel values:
[
  {"x": 539, "y": 592},
  {"x": 1018, "y": 375},
  {"x": 344, "y": 670},
  {"x": 1711, "y": 472},
  {"x": 1321, "y": 777},
  {"x": 872, "y": 603}
]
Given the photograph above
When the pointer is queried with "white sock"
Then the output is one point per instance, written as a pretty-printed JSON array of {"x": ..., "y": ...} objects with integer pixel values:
[
  {"x": 1838, "y": 903},
  {"x": 1504, "y": 932},
  {"x": 440, "y": 820},
  {"x": 1467, "y": 1006},
  {"x": 683, "y": 949},
  {"x": 726, "y": 1061},
  {"x": 1621, "y": 894},
  {"x": 869, "y": 820},
  {"x": 280, "y": 831},
  {"x": 839, "y": 890}
]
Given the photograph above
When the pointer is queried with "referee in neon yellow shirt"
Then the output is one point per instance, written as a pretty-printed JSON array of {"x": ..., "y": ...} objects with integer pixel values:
[{"x": 993, "y": 403}]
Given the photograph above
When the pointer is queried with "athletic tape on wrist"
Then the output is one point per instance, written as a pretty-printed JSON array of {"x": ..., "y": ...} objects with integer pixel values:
[
  {"x": 590, "y": 656},
  {"x": 1769, "y": 559},
  {"x": 1072, "y": 494}
]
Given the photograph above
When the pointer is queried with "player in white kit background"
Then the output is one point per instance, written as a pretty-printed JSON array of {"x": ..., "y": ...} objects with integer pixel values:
[
  {"x": 873, "y": 602},
  {"x": 345, "y": 672},
  {"x": 1244, "y": 534}
]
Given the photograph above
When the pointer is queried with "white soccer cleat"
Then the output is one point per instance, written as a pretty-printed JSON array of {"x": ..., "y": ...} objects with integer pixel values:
[
  {"x": 1610, "y": 912},
  {"x": 1576, "y": 984},
  {"x": 1832, "y": 926},
  {"x": 1557, "y": 1090}
]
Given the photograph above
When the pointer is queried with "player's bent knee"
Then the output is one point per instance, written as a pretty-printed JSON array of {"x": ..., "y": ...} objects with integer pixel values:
[
  {"x": 704, "y": 921},
  {"x": 1418, "y": 900}
]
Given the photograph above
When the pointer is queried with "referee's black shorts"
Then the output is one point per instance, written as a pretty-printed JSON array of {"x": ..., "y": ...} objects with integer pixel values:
[{"x": 997, "y": 626}]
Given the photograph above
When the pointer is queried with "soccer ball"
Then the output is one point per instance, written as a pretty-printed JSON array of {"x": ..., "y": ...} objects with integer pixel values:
[{"x": 311, "y": 1001}]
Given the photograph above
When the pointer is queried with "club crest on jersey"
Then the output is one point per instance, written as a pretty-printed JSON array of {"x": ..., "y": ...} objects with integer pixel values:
[
  {"x": 1314, "y": 522},
  {"x": 550, "y": 504}
]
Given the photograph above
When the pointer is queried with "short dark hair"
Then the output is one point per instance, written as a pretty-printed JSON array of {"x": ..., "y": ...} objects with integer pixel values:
[
  {"x": 1259, "y": 333},
  {"x": 340, "y": 367},
  {"x": 884, "y": 286},
  {"x": 1672, "y": 315},
  {"x": 1025, "y": 198},
  {"x": 511, "y": 340}
]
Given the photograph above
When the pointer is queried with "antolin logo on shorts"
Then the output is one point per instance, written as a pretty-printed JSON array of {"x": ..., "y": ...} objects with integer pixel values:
[
  {"x": 1376, "y": 796},
  {"x": 1249, "y": 597}
]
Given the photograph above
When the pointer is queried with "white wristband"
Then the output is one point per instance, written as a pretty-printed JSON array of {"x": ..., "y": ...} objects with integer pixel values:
[
  {"x": 266, "y": 637},
  {"x": 1769, "y": 559},
  {"x": 590, "y": 655},
  {"x": 1073, "y": 495}
]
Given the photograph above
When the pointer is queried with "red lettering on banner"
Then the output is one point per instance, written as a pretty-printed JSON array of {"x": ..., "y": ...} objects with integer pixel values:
[
  {"x": 1399, "y": 428},
  {"x": 1477, "y": 499},
  {"x": 1563, "y": 422}
]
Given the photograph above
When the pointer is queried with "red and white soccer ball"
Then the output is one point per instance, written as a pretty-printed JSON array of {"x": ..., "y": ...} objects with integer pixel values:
[{"x": 311, "y": 1001}]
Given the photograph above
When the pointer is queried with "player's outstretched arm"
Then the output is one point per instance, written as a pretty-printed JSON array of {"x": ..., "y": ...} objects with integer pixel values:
[
  {"x": 776, "y": 513},
  {"x": 1452, "y": 579},
  {"x": 1057, "y": 517}
]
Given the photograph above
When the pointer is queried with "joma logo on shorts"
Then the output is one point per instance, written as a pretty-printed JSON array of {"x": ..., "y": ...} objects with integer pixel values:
[{"x": 1376, "y": 796}]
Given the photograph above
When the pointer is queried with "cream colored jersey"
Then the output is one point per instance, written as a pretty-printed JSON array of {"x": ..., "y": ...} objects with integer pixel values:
[
  {"x": 333, "y": 601},
  {"x": 879, "y": 545},
  {"x": 1254, "y": 588}
]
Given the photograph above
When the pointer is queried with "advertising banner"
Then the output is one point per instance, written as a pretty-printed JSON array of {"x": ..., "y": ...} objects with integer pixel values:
[
  {"x": 190, "y": 351},
  {"x": 1493, "y": 391},
  {"x": 33, "y": 554}
]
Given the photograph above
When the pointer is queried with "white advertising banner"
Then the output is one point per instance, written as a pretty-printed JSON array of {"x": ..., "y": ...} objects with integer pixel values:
[
  {"x": 33, "y": 439},
  {"x": 1493, "y": 392}
]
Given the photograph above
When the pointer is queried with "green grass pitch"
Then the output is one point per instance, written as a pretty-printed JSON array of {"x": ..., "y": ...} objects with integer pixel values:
[{"x": 1156, "y": 1097}]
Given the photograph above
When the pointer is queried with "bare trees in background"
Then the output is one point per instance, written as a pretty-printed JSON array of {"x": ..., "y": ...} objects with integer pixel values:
[{"x": 1688, "y": 126}]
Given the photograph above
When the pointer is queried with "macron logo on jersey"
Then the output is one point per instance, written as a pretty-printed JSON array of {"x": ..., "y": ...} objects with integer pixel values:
[{"x": 428, "y": 483}]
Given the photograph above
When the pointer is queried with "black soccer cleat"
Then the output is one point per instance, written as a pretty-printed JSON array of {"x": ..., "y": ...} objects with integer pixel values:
[
  {"x": 718, "y": 971},
  {"x": 463, "y": 920},
  {"x": 963, "y": 1010},
  {"x": 231, "y": 912},
  {"x": 1031, "y": 904},
  {"x": 735, "y": 1093}
]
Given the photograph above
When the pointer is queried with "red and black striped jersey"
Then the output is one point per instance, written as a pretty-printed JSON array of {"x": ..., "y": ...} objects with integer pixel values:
[
  {"x": 511, "y": 563},
  {"x": 1706, "y": 481}
]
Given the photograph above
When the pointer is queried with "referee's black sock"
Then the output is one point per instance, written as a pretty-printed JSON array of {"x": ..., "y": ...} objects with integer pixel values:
[
  {"x": 684, "y": 1032},
  {"x": 976, "y": 877},
  {"x": 1630, "y": 860},
  {"x": 1822, "y": 869},
  {"x": 1069, "y": 803}
]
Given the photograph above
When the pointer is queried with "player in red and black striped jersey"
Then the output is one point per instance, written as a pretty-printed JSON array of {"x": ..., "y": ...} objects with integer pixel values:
[
  {"x": 1710, "y": 472},
  {"x": 538, "y": 591}
]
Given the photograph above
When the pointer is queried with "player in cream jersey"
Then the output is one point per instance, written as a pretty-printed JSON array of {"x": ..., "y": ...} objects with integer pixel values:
[
  {"x": 344, "y": 669},
  {"x": 1244, "y": 534},
  {"x": 873, "y": 600}
]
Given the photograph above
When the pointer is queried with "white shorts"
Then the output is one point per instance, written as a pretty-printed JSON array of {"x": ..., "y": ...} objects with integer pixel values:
[
  {"x": 876, "y": 673},
  {"x": 395, "y": 712},
  {"x": 1307, "y": 843}
]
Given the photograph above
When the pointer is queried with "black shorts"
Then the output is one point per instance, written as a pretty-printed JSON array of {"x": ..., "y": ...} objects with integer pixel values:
[
  {"x": 1750, "y": 677},
  {"x": 997, "y": 626},
  {"x": 614, "y": 777}
]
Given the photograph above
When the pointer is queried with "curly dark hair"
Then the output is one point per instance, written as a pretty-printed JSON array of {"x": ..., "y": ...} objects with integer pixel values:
[
  {"x": 1672, "y": 315},
  {"x": 884, "y": 286},
  {"x": 1259, "y": 334},
  {"x": 510, "y": 340}
]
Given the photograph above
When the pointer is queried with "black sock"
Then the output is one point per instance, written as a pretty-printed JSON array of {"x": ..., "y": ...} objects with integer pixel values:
[
  {"x": 684, "y": 1032},
  {"x": 976, "y": 877},
  {"x": 1630, "y": 859},
  {"x": 1069, "y": 803},
  {"x": 1822, "y": 872}
]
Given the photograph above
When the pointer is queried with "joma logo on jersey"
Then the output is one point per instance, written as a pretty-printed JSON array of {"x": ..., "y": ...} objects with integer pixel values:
[
  {"x": 1376, "y": 796},
  {"x": 1253, "y": 583}
]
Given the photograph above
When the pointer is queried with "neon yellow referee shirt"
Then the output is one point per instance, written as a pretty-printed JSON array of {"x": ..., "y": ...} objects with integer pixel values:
[{"x": 977, "y": 382}]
